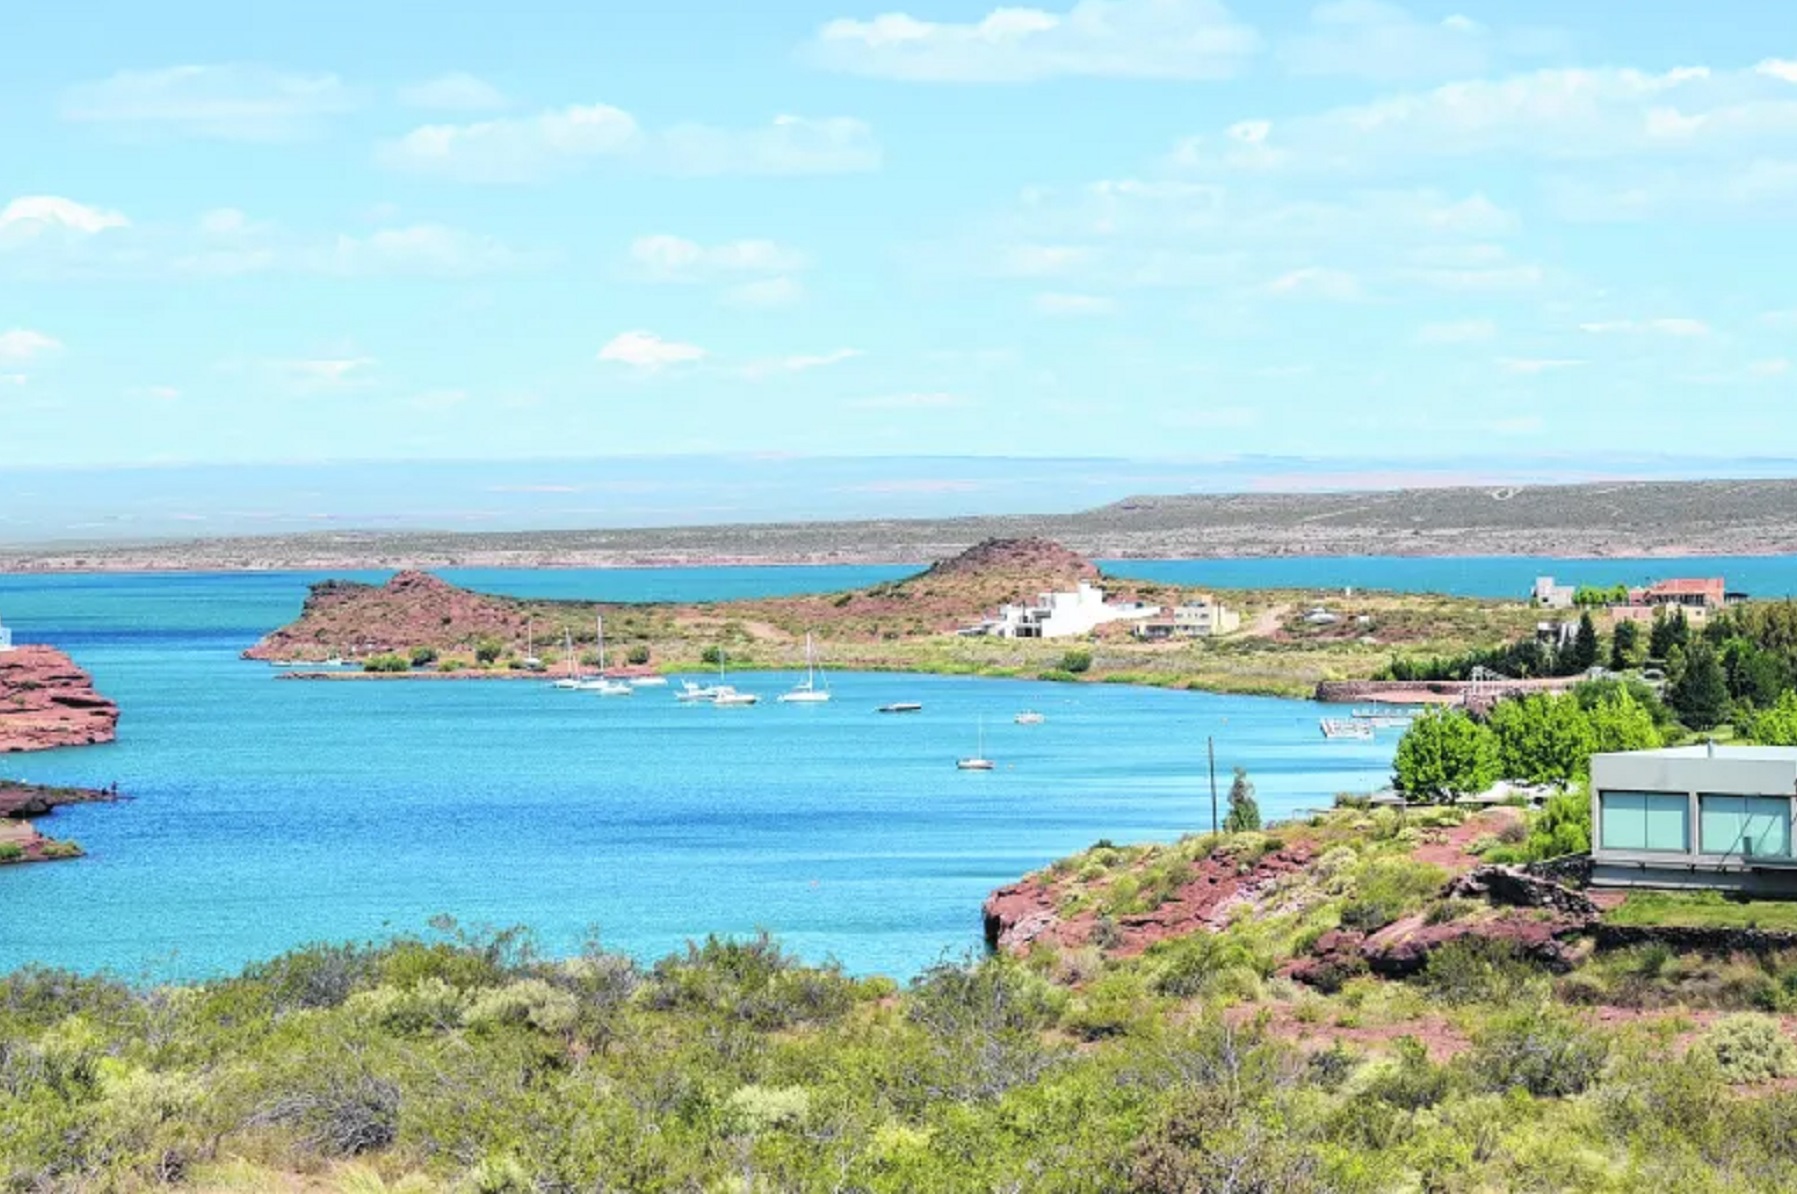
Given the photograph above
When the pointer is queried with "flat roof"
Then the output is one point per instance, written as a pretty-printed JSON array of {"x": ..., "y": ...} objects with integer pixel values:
[{"x": 1761, "y": 754}]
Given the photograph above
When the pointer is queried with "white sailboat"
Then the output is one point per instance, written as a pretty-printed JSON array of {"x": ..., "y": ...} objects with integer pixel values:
[
  {"x": 979, "y": 761},
  {"x": 806, "y": 691},
  {"x": 531, "y": 662},
  {"x": 572, "y": 679},
  {"x": 604, "y": 685},
  {"x": 726, "y": 695}
]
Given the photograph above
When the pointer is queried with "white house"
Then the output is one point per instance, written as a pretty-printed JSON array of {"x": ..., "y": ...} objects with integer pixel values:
[
  {"x": 1549, "y": 595},
  {"x": 1065, "y": 615},
  {"x": 1204, "y": 618}
]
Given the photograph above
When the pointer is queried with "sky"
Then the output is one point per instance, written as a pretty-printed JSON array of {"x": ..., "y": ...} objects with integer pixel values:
[{"x": 533, "y": 231}]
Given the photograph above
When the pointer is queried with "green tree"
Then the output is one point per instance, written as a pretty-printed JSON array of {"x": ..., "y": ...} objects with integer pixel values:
[
  {"x": 1076, "y": 662},
  {"x": 1446, "y": 753},
  {"x": 1699, "y": 694},
  {"x": 1777, "y": 725},
  {"x": 1668, "y": 632},
  {"x": 1620, "y": 722},
  {"x": 1625, "y": 647},
  {"x": 639, "y": 655},
  {"x": 423, "y": 656},
  {"x": 1244, "y": 810},
  {"x": 488, "y": 650},
  {"x": 1543, "y": 739},
  {"x": 1584, "y": 651}
]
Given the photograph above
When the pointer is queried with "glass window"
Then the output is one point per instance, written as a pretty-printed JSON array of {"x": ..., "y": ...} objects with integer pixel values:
[
  {"x": 1651, "y": 821},
  {"x": 1749, "y": 826}
]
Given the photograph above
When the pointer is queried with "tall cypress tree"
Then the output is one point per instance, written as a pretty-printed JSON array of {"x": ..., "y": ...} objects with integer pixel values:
[
  {"x": 1625, "y": 647},
  {"x": 1582, "y": 656}
]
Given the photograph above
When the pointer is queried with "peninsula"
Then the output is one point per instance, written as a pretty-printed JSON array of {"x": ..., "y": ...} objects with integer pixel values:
[
  {"x": 1286, "y": 642},
  {"x": 46, "y": 702},
  {"x": 1619, "y": 518}
]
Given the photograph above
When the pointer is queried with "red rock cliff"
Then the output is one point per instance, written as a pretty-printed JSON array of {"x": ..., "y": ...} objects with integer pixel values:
[{"x": 46, "y": 701}]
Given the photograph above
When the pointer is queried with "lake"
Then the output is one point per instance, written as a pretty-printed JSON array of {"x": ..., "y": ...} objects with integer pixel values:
[{"x": 268, "y": 813}]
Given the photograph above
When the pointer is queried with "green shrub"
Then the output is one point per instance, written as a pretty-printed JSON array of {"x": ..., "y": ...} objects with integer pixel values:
[
  {"x": 11, "y": 851},
  {"x": 488, "y": 650},
  {"x": 423, "y": 656},
  {"x": 1545, "y": 1052},
  {"x": 712, "y": 656},
  {"x": 1076, "y": 662},
  {"x": 1388, "y": 888},
  {"x": 754, "y": 1110},
  {"x": 530, "y": 1002},
  {"x": 387, "y": 662},
  {"x": 638, "y": 655},
  {"x": 1751, "y": 1048},
  {"x": 1057, "y": 676}
]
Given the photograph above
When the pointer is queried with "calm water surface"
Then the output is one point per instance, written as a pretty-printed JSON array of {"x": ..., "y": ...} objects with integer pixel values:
[{"x": 270, "y": 813}]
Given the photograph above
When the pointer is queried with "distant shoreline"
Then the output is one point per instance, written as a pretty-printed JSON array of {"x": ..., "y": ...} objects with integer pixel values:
[
  {"x": 1619, "y": 520},
  {"x": 125, "y": 563}
]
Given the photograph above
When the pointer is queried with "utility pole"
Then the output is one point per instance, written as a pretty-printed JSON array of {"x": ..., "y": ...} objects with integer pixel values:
[{"x": 1211, "y": 749}]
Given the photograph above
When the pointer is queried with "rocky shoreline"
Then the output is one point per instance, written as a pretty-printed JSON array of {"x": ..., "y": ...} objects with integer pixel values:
[{"x": 46, "y": 702}]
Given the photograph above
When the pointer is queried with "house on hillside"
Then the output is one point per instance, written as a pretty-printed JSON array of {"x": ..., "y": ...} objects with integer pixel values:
[
  {"x": 1707, "y": 594},
  {"x": 1201, "y": 617},
  {"x": 1695, "y": 817},
  {"x": 1549, "y": 595},
  {"x": 1064, "y": 615}
]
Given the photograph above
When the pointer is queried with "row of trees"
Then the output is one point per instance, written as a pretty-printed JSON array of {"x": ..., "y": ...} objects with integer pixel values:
[{"x": 1540, "y": 739}]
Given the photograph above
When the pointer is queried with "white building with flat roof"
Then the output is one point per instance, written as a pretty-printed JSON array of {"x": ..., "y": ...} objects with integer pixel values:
[
  {"x": 1065, "y": 615},
  {"x": 1695, "y": 817}
]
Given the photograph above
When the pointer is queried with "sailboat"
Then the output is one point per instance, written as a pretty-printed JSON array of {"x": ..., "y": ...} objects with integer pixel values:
[
  {"x": 531, "y": 662},
  {"x": 806, "y": 691},
  {"x": 726, "y": 695},
  {"x": 603, "y": 685},
  {"x": 572, "y": 679},
  {"x": 979, "y": 761}
]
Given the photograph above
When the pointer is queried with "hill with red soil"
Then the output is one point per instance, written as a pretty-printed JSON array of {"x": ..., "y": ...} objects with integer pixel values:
[
  {"x": 47, "y": 702},
  {"x": 417, "y": 610}
]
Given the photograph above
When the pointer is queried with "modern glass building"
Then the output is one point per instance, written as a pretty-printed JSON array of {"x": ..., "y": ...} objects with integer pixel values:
[{"x": 1695, "y": 816}]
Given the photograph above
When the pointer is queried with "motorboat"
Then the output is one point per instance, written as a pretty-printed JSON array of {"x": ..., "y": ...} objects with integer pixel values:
[
  {"x": 1029, "y": 717},
  {"x": 727, "y": 697},
  {"x": 900, "y": 707}
]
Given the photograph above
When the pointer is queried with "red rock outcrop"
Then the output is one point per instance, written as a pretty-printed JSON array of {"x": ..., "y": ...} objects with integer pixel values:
[{"x": 47, "y": 702}]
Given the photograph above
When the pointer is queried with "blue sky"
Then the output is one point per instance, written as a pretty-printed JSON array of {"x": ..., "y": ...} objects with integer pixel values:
[{"x": 1122, "y": 228}]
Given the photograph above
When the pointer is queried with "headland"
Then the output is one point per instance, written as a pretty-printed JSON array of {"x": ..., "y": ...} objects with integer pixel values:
[
  {"x": 46, "y": 702},
  {"x": 1279, "y": 642}
]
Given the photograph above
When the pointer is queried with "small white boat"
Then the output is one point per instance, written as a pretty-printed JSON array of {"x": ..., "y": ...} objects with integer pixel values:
[
  {"x": 1029, "y": 717},
  {"x": 603, "y": 685},
  {"x": 1337, "y": 727},
  {"x": 726, "y": 696},
  {"x": 806, "y": 691},
  {"x": 900, "y": 707},
  {"x": 695, "y": 694},
  {"x": 572, "y": 680},
  {"x": 979, "y": 761},
  {"x": 648, "y": 681}
]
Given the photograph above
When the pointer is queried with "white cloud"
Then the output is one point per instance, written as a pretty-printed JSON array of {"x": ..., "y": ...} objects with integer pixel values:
[
  {"x": 326, "y": 373},
  {"x": 1563, "y": 114},
  {"x": 239, "y": 102},
  {"x": 1763, "y": 187},
  {"x": 1777, "y": 367},
  {"x": 766, "y": 294},
  {"x": 786, "y": 145},
  {"x": 1317, "y": 282},
  {"x": 1057, "y": 303},
  {"x": 1148, "y": 39},
  {"x": 664, "y": 258},
  {"x": 1536, "y": 365},
  {"x": 30, "y": 216},
  {"x": 800, "y": 363},
  {"x": 514, "y": 150},
  {"x": 649, "y": 352},
  {"x": 1464, "y": 331},
  {"x": 454, "y": 92},
  {"x": 1682, "y": 328},
  {"x": 1779, "y": 68},
  {"x": 1370, "y": 39},
  {"x": 531, "y": 148},
  {"x": 23, "y": 344},
  {"x": 917, "y": 401}
]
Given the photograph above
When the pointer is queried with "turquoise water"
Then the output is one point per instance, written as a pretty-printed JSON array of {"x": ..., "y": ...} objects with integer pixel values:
[{"x": 269, "y": 813}]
